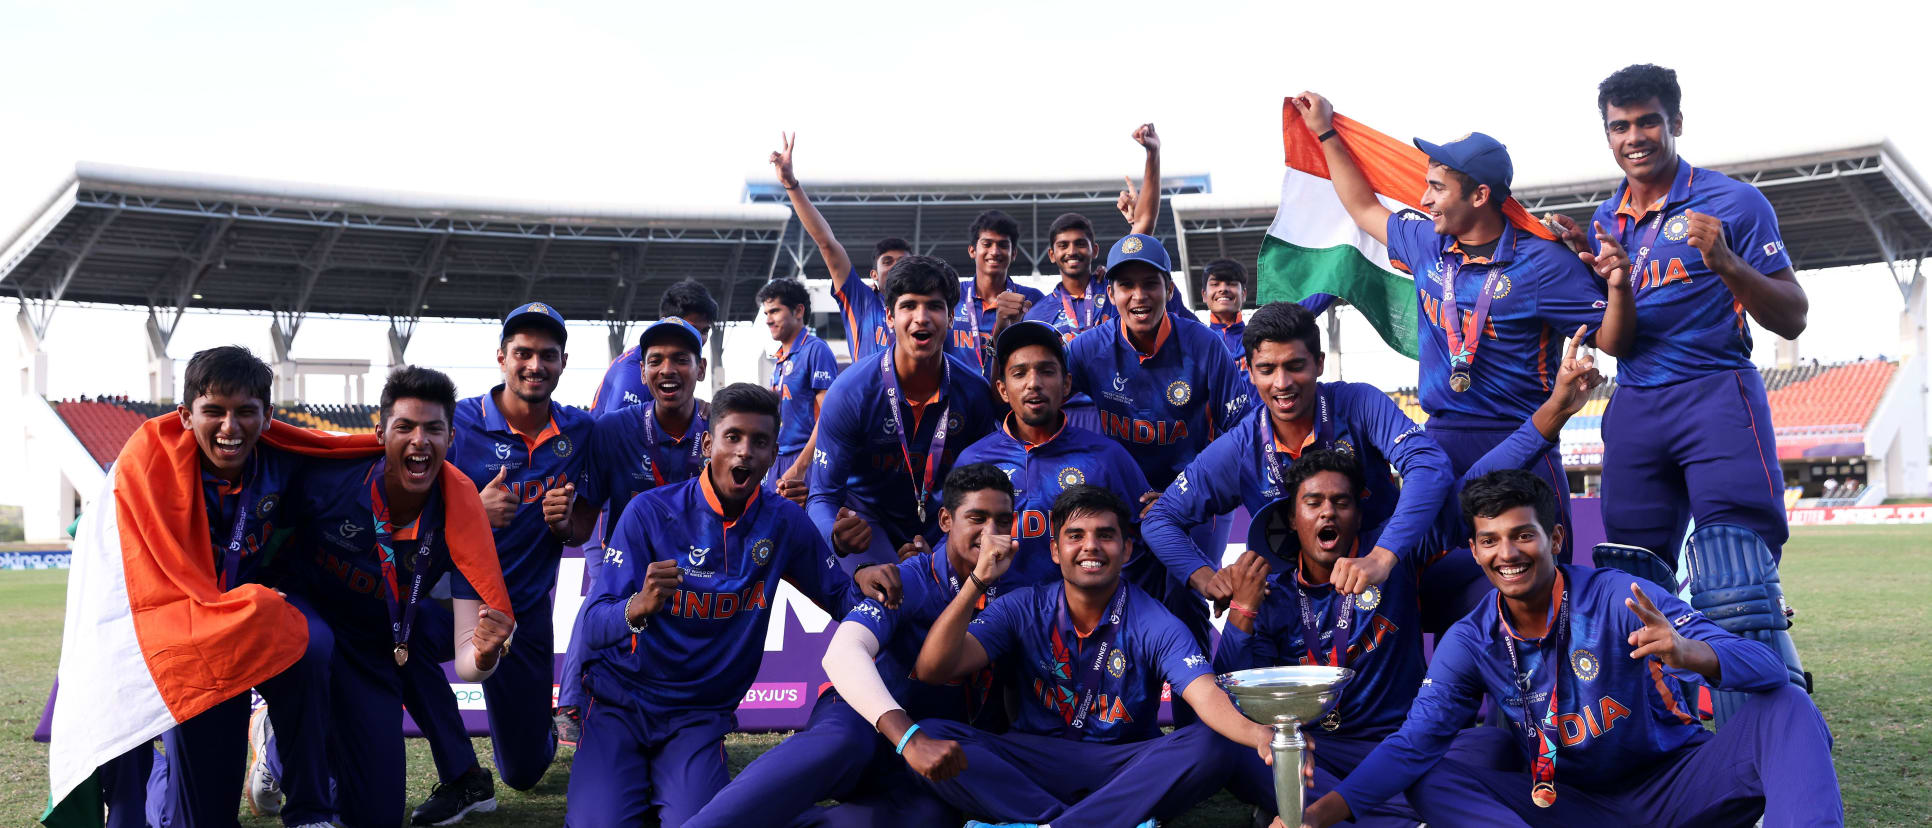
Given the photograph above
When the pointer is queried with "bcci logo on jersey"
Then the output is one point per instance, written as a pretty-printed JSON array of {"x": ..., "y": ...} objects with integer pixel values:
[
  {"x": 1369, "y": 599},
  {"x": 267, "y": 506},
  {"x": 1116, "y": 664},
  {"x": 1585, "y": 663},
  {"x": 1070, "y": 476},
  {"x": 1502, "y": 285},
  {"x": 562, "y": 447},
  {"x": 761, "y": 552},
  {"x": 1677, "y": 228},
  {"x": 1178, "y": 393}
]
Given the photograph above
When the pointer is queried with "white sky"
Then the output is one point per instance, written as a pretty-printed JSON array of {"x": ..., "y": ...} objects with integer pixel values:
[{"x": 653, "y": 102}]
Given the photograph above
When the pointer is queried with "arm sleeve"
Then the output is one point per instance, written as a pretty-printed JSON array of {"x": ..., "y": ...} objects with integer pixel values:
[
  {"x": 1423, "y": 464},
  {"x": 1743, "y": 665},
  {"x": 1520, "y": 450},
  {"x": 848, "y": 663},
  {"x": 1208, "y": 487},
  {"x": 838, "y": 432},
  {"x": 625, "y": 559},
  {"x": 463, "y": 611},
  {"x": 857, "y": 304},
  {"x": 1570, "y": 294},
  {"x": 1447, "y": 698},
  {"x": 1752, "y": 229},
  {"x": 883, "y": 622}
]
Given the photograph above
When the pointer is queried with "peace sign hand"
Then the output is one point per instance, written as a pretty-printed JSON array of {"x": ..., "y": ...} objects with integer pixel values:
[
  {"x": 1578, "y": 376},
  {"x": 1657, "y": 637},
  {"x": 782, "y": 161}
]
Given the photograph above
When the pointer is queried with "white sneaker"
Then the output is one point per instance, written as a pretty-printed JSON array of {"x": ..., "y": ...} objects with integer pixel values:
[{"x": 262, "y": 790}]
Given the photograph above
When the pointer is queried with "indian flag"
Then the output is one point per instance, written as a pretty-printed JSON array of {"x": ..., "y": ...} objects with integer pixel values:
[
  {"x": 150, "y": 640},
  {"x": 1313, "y": 247}
]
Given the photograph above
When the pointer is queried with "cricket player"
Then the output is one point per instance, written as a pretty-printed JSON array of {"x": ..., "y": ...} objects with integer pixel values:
[
  {"x": 377, "y": 535},
  {"x": 1090, "y": 654},
  {"x": 893, "y": 424},
  {"x": 1224, "y": 292},
  {"x": 1041, "y": 450},
  {"x": 1585, "y": 664},
  {"x": 861, "y": 747},
  {"x": 677, "y": 615},
  {"x": 627, "y": 381},
  {"x": 1493, "y": 302},
  {"x": 989, "y": 301},
  {"x": 522, "y": 447},
  {"x": 803, "y": 371}
]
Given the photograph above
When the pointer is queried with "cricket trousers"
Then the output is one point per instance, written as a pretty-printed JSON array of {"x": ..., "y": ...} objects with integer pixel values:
[
  {"x": 1773, "y": 756},
  {"x": 632, "y": 761},
  {"x": 517, "y": 697}
]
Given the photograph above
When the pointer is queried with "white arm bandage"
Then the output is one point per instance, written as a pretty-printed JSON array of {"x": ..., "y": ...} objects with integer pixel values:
[
  {"x": 465, "y": 610},
  {"x": 848, "y": 663}
]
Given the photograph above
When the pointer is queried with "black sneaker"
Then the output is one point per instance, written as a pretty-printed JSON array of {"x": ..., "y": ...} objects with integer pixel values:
[
  {"x": 569, "y": 725},
  {"x": 449, "y": 802}
]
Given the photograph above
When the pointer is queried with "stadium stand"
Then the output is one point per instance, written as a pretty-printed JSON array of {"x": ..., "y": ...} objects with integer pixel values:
[{"x": 104, "y": 424}]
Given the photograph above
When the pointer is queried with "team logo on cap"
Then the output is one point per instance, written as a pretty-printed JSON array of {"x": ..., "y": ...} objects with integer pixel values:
[
  {"x": 1502, "y": 286},
  {"x": 1116, "y": 664},
  {"x": 267, "y": 506},
  {"x": 1131, "y": 244},
  {"x": 1179, "y": 393},
  {"x": 1072, "y": 476},
  {"x": 1463, "y": 137},
  {"x": 562, "y": 447},
  {"x": 1585, "y": 663},
  {"x": 539, "y": 307},
  {"x": 502, "y": 451},
  {"x": 761, "y": 552},
  {"x": 1677, "y": 228},
  {"x": 1370, "y": 598}
]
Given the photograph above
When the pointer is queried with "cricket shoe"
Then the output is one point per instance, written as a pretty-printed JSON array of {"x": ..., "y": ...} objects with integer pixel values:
[
  {"x": 474, "y": 792},
  {"x": 262, "y": 790},
  {"x": 569, "y": 725}
]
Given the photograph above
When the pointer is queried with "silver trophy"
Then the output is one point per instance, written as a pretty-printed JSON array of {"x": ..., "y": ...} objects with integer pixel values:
[{"x": 1284, "y": 698}]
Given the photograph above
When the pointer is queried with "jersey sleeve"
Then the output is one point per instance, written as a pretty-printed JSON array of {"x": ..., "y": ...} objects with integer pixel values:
[
  {"x": 1447, "y": 698},
  {"x": 823, "y": 366},
  {"x": 1210, "y": 486},
  {"x": 856, "y": 302},
  {"x": 1752, "y": 230},
  {"x": 996, "y": 627},
  {"x": 839, "y": 431},
  {"x": 1261, "y": 648},
  {"x": 610, "y": 393},
  {"x": 814, "y": 570},
  {"x": 1423, "y": 464},
  {"x": 626, "y": 557},
  {"x": 1229, "y": 398},
  {"x": 1173, "y": 648},
  {"x": 1412, "y": 243},
  {"x": 1520, "y": 450},
  {"x": 604, "y": 468},
  {"x": 1743, "y": 665},
  {"x": 1077, "y": 360},
  {"x": 881, "y": 620},
  {"x": 1569, "y": 294}
]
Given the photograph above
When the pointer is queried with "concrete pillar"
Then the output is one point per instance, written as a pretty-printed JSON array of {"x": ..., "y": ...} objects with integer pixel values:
[
  {"x": 33, "y": 360},
  {"x": 1334, "y": 348},
  {"x": 160, "y": 365}
]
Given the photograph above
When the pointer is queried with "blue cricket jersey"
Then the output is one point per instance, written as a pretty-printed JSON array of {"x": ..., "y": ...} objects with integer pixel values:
[
  {"x": 334, "y": 561},
  {"x": 632, "y": 453},
  {"x": 482, "y": 444},
  {"x": 1074, "y": 315},
  {"x": 863, "y": 312},
  {"x": 1039, "y": 473},
  {"x": 929, "y": 585},
  {"x": 1029, "y": 631},
  {"x": 1233, "y": 472},
  {"x": 805, "y": 366},
  {"x": 859, "y": 463},
  {"x": 973, "y": 321},
  {"x": 623, "y": 384},
  {"x": 1385, "y": 633},
  {"x": 1689, "y": 324},
  {"x": 247, "y": 515},
  {"x": 1618, "y": 719},
  {"x": 1164, "y": 406},
  {"x": 702, "y": 649},
  {"x": 1541, "y": 293}
]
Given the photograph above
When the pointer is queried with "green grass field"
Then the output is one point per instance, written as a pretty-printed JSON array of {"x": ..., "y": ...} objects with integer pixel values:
[{"x": 1859, "y": 591}]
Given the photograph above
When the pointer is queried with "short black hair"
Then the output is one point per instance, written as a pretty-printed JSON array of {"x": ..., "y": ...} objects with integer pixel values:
[
  {"x": 1084, "y": 499},
  {"x": 688, "y": 298},
  {"x": 1323, "y": 460},
  {"x": 890, "y": 244},
  {"x": 920, "y": 276},
  {"x": 789, "y": 292},
  {"x": 1281, "y": 322},
  {"x": 1637, "y": 83},
  {"x": 995, "y": 221},
  {"x": 974, "y": 477},
  {"x": 744, "y": 398},
  {"x": 1064, "y": 223},
  {"x": 227, "y": 369},
  {"x": 1500, "y": 491},
  {"x": 414, "y": 382},
  {"x": 1224, "y": 270}
]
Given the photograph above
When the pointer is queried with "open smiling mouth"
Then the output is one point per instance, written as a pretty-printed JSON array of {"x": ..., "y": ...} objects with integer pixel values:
[
  {"x": 740, "y": 474},
  {"x": 417, "y": 465}
]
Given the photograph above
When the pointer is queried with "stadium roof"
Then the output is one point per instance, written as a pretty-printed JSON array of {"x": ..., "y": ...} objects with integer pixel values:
[
  {"x": 934, "y": 214},
  {"x": 1851, "y": 206},
  {"x": 173, "y": 240}
]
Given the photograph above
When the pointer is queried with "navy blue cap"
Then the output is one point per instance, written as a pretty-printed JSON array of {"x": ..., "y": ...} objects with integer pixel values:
[
  {"x": 539, "y": 314},
  {"x": 1476, "y": 155},
  {"x": 1024, "y": 333},
  {"x": 1139, "y": 247},
  {"x": 674, "y": 327}
]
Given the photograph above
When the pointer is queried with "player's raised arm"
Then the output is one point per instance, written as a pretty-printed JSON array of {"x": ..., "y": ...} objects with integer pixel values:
[
  {"x": 1612, "y": 263},
  {"x": 950, "y": 652},
  {"x": 1350, "y": 184},
  {"x": 1774, "y": 299},
  {"x": 1147, "y": 203},
  {"x": 836, "y": 261}
]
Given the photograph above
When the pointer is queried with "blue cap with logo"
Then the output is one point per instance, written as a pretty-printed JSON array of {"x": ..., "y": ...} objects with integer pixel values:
[
  {"x": 1476, "y": 155},
  {"x": 538, "y": 314},
  {"x": 1139, "y": 247},
  {"x": 675, "y": 328},
  {"x": 1028, "y": 332}
]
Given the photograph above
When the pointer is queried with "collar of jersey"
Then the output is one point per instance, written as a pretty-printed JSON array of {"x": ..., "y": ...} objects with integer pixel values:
[
  {"x": 1679, "y": 191},
  {"x": 1006, "y": 425},
  {"x": 717, "y": 508},
  {"x": 1549, "y": 624},
  {"x": 1160, "y": 335},
  {"x": 494, "y": 420},
  {"x": 1295, "y": 451},
  {"x": 1223, "y": 328},
  {"x": 664, "y": 433},
  {"x": 1354, "y": 549},
  {"x": 786, "y": 350},
  {"x": 1505, "y": 248},
  {"x": 1062, "y": 611}
]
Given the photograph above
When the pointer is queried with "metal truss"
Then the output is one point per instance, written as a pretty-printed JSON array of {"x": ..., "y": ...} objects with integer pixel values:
[{"x": 993, "y": 195}]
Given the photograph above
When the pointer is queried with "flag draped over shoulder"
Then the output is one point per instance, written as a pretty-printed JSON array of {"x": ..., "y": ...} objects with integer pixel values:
[
  {"x": 1314, "y": 247},
  {"x": 150, "y": 641}
]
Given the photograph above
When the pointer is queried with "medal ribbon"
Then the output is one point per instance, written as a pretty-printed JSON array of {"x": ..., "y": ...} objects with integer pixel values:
[
  {"x": 1089, "y": 682},
  {"x": 936, "y": 449},
  {"x": 970, "y": 304},
  {"x": 655, "y": 454},
  {"x": 981, "y": 684},
  {"x": 1643, "y": 251},
  {"x": 401, "y": 615},
  {"x": 1542, "y": 743},
  {"x": 1463, "y": 343},
  {"x": 231, "y": 554},
  {"x": 1324, "y": 434},
  {"x": 1311, "y": 628},
  {"x": 1081, "y": 321}
]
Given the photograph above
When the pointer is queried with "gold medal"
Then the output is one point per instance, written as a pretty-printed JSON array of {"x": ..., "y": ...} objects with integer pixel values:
[
  {"x": 402, "y": 654},
  {"x": 1331, "y": 722},
  {"x": 922, "y": 511},
  {"x": 1543, "y": 794},
  {"x": 1459, "y": 381}
]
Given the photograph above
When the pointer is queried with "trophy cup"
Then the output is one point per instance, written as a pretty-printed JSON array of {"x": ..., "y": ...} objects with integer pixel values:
[{"x": 1284, "y": 698}]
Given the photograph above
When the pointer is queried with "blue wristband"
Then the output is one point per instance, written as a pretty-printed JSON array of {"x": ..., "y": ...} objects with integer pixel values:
[{"x": 903, "y": 740}]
